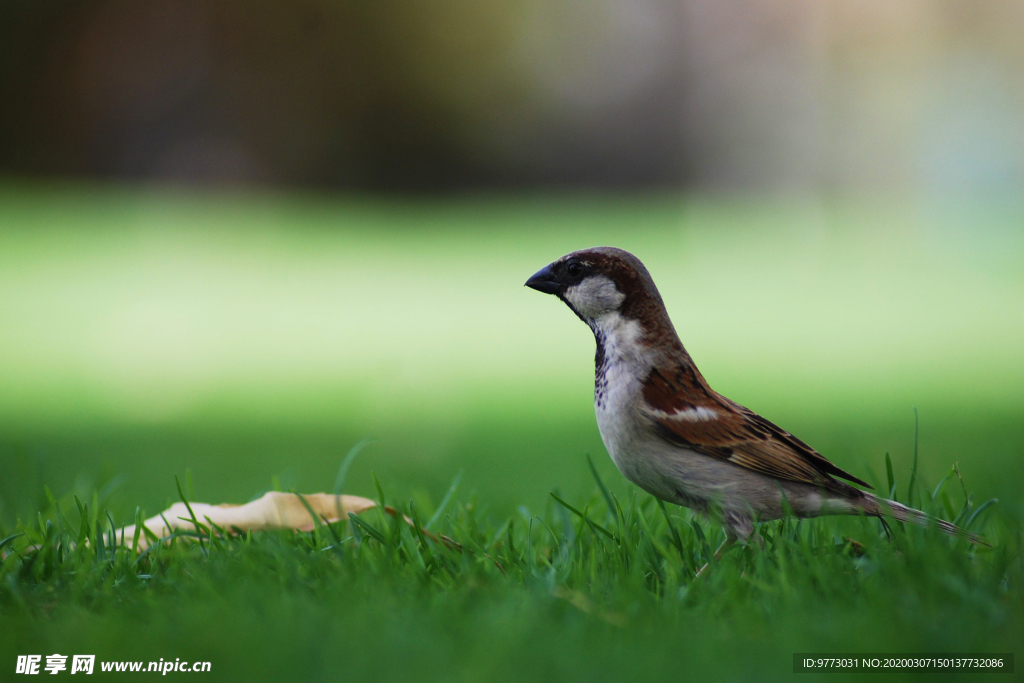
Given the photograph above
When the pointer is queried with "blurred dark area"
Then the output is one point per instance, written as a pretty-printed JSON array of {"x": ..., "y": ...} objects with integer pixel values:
[{"x": 426, "y": 96}]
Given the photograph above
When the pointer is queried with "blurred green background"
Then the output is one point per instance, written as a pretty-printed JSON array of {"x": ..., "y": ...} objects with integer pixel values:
[
  {"x": 238, "y": 239},
  {"x": 248, "y": 336}
]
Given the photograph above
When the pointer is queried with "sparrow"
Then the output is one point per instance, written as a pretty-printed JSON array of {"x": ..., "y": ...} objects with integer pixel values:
[{"x": 675, "y": 437}]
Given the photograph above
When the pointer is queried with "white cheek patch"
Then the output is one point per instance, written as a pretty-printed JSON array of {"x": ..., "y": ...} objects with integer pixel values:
[{"x": 595, "y": 296}]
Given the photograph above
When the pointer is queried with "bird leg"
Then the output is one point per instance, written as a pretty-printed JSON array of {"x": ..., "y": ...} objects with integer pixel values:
[{"x": 730, "y": 539}]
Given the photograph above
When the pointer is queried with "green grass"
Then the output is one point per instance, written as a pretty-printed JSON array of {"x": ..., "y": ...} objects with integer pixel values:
[
  {"x": 252, "y": 340},
  {"x": 579, "y": 591}
]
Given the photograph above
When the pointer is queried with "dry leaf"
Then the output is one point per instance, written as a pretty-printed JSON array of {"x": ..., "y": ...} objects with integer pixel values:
[{"x": 274, "y": 510}]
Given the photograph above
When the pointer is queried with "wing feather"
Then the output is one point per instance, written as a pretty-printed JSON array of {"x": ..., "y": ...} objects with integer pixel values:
[{"x": 686, "y": 412}]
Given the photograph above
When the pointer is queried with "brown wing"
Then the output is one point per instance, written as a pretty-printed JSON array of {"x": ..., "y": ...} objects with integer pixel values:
[{"x": 687, "y": 413}]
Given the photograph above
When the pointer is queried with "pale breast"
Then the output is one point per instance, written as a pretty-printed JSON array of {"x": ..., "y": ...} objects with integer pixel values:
[
  {"x": 629, "y": 444},
  {"x": 621, "y": 367}
]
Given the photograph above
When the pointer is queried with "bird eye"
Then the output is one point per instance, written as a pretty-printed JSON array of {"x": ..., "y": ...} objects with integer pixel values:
[{"x": 574, "y": 269}]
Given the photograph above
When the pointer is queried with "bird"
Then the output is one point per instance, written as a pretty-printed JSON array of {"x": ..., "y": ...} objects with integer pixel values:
[{"x": 671, "y": 434}]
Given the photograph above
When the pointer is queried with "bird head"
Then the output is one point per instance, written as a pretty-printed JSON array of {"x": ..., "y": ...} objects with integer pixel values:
[{"x": 601, "y": 282}]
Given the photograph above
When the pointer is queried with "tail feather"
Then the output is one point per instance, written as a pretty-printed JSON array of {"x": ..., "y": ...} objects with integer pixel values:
[{"x": 909, "y": 515}]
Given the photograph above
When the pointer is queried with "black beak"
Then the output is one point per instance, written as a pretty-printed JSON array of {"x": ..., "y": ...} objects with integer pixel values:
[{"x": 545, "y": 280}]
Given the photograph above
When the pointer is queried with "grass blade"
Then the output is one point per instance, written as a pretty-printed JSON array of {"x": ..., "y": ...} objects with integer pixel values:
[
  {"x": 890, "y": 476},
  {"x": 368, "y": 528},
  {"x": 188, "y": 507},
  {"x": 444, "y": 502},
  {"x": 10, "y": 538},
  {"x": 604, "y": 491},
  {"x": 913, "y": 468},
  {"x": 593, "y": 525},
  {"x": 346, "y": 463},
  {"x": 981, "y": 508},
  {"x": 672, "y": 527}
]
